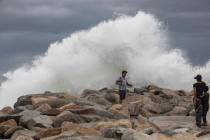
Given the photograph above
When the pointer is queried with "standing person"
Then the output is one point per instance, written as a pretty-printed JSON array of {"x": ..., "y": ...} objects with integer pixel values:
[
  {"x": 123, "y": 83},
  {"x": 205, "y": 102},
  {"x": 198, "y": 89}
]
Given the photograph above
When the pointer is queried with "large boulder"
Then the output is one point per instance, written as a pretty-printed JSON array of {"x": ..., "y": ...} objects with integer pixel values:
[
  {"x": 5, "y": 126},
  {"x": 11, "y": 131},
  {"x": 44, "y": 108},
  {"x": 10, "y": 123},
  {"x": 19, "y": 109},
  {"x": 48, "y": 132},
  {"x": 80, "y": 130},
  {"x": 124, "y": 134},
  {"x": 172, "y": 123},
  {"x": 88, "y": 92},
  {"x": 155, "y": 107},
  {"x": 63, "y": 135},
  {"x": 7, "y": 110},
  {"x": 98, "y": 99},
  {"x": 24, "y": 138},
  {"x": 26, "y": 116},
  {"x": 27, "y": 133},
  {"x": 120, "y": 110},
  {"x": 112, "y": 97},
  {"x": 178, "y": 110},
  {"x": 123, "y": 123},
  {"x": 66, "y": 116},
  {"x": 42, "y": 121}
]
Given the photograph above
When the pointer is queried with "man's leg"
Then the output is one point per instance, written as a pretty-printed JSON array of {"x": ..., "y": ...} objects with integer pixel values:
[
  {"x": 198, "y": 118},
  {"x": 204, "y": 114}
]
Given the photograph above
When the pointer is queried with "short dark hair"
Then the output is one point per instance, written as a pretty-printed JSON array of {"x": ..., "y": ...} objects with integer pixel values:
[
  {"x": 124, "y": 71},
  {"x": 206, "y": 88},
  {"x": 198, "y": 77}
]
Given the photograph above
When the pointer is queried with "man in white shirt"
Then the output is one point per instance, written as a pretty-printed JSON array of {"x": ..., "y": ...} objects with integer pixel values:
[{"x": 123, "y": 83}]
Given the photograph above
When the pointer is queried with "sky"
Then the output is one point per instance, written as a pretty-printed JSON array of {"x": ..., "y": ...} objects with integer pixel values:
[{"x": 27, "y": 27}]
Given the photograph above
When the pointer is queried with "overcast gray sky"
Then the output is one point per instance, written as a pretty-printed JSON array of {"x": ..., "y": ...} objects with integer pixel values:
[{"x": 27, "y": 27}]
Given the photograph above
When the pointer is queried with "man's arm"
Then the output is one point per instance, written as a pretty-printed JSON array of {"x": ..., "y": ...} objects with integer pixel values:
[
  {"x": 128, "y": 84},
  {"x": 118, "y": 82}
]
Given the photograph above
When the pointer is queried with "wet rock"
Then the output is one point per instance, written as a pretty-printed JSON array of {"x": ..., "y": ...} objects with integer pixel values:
[
  {"x": 40, "y": 99},
  {"x": 134, "y": 135},
  {"x": 149, "y": 131},
  {"x": 66, "y": 116},
  {"x": 157, "y": 108},
  {"x": 140, "y": 91},
  {"x": 63, "y": 135},
  {"x": 11, "y": 131},
  {"x": 54, "y": 103},
  {"x": 178, "y": 111},
  {"x": 23, "y": 100},
  {"x": 23, "y": 108},
  {"x": 88, "y": 92},
  {"x": 43, "y": 108},
  {"x": 172, "y": 122},
  {"x": 158, "y": 136},
  {"x": 51, "y": 112},
  {"x": 27, "y": 133},
  {"x": 120, "y": 110},
  {"x": 48, "y": 133},
  {"x": 42, "y": 121},
  {"x": 185, "y": 136},
  {"x": 80, "y": 130},
  {"x": 27, "y": 116},
  {"x": 98, "y": 99},
  {"x": 123, "y": 123},
  {"x": 112, "y": 97},
  {"x": 7, "y": 110},
  {"x": 24, "y": 138},
  {"x": 3, "y": 129},
  {"x": 10, "y": 123}
]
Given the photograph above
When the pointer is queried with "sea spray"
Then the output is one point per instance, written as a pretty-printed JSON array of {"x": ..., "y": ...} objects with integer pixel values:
[{"x": 94, "y": 58}]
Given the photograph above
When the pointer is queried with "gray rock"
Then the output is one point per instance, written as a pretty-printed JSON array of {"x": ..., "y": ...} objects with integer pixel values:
[
  {"x": 172, "y": 122},
  {"x": 27, "y": 116},
  {"x": 19, "y": 109},
  {"x": 66, "y": 116},
  {"x": 178, "y": 110},
  {"x": 25, "y": 132},
  {"x": 157, "y": 108},
  {"x": 42, "y": 121}
]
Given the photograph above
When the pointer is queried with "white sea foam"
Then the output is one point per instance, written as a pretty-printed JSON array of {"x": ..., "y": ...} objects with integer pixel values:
[{"x": 94, "y": 58}]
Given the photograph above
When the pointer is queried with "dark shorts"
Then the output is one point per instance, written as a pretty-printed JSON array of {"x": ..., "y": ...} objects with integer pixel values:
[{"x": 122, "y": 94}]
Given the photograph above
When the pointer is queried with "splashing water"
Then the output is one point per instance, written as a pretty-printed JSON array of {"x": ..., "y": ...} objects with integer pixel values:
[{"x": 94, "y": 59}]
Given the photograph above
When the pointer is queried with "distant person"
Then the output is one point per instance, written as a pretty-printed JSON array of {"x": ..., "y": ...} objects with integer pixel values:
[
  {"x": 198, "y": 89},
  {"x": 123, "y": 83},
  {"x": 205, "y": 102}
]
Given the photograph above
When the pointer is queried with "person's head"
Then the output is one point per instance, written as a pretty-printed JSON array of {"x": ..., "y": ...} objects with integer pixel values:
[
  {"x": 124, "y": 72},
  {"x": 206, "y": 89},
  {"x": 198, "y": 78}
]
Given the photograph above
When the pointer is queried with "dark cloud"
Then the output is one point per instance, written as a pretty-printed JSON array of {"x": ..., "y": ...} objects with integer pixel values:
[{"x": 27, "y": 27}]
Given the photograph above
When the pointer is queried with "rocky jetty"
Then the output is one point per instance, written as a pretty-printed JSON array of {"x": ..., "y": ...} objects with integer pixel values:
[{"x": 97, "y": 115}]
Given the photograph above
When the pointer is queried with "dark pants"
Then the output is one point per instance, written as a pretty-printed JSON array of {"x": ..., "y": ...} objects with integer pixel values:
[
  {"x": 122, "y": 94},
  {"x": 198, "y": 115},
  {"x": 198, "y": 111},
  {"x": 204, "y": 114}
]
